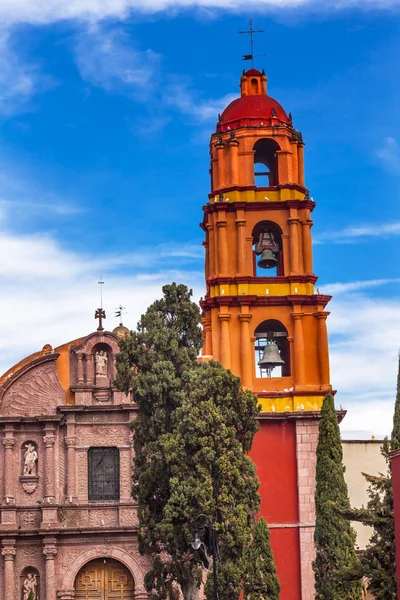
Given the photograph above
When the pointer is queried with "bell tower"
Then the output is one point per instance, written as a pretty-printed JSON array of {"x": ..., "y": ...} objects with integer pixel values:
[{"x": 261, "y": 316}]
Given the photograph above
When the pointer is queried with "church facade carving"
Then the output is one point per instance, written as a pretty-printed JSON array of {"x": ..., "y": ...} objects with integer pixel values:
[{"x": 60, "y": 419}]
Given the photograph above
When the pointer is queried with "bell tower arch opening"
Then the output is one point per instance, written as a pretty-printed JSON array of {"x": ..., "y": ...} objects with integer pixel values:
[
  {"x": 104, "y": 578},
  {"x": 272, "y": 353},
  {"x": 267, "y": 249},
  {"x": 265, "y": 162}
]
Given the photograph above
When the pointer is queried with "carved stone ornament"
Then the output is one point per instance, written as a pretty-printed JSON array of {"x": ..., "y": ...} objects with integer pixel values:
[
  {"x": 35, "y": 390},
  {"x": 29, "y": 483}
]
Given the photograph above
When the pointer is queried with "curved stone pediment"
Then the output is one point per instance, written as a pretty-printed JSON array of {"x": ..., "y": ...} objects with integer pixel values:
[{"x": 33, "y": 391}]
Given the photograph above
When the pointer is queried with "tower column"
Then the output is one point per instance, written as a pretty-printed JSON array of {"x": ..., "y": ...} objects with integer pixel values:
[
  {"x": 298, "y": 349},
  {"x": 241, "y": 242},
  {"x": 207, "y": 348},
  {"x": 206, "y": 258},
  {"x": 294, "y": 245},
  {"x": 9, "y": 552},
  {"x": 211, "y": 248},
  {"x": 220, "y": 163},
  {"x": 307, "y": 245},
  {"x": 248, "y": 167},
  {"x": 216, "y": 247},
  {"x": 283, "y": 166},
  {"x": 245, "y": 349},
  {"x": 224, "y": 318},
  {"x": 300, "y": 163},
  {"x": 233, "y": 144},
  {"x": 222, "y": 243},
  {"x": 323, "y": 351}
]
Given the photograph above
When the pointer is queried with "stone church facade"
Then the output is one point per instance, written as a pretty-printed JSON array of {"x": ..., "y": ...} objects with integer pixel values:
[{"x": 68, "y": 522}]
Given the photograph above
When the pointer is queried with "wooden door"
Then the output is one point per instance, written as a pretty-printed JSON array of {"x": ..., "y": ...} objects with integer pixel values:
[{"x": 104, "y": 579}]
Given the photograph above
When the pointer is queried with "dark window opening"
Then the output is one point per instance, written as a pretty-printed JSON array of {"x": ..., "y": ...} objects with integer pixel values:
[
  {"x": 103, "y": 473},
  {"x": 265, "y": 163}
]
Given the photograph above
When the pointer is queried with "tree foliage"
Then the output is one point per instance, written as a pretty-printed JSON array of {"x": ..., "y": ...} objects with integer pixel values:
[
  {"x": 336, "y": 567},
  {"x": 193, "y": 429},
  {"x": 260, "y": 579},
  {"x": 379, "y": 558}
]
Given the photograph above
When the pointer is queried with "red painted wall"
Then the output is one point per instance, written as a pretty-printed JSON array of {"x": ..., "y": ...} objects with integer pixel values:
[
  {"x": 396, "y": 501},
  {"x": 274, "y": 453}
]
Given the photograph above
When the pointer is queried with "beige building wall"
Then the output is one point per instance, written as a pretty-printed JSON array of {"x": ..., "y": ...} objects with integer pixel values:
[{"x": 361, "y": 456}]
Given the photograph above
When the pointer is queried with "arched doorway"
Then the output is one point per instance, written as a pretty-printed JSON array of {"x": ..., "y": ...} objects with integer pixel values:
[{"x": 104, "y": 579}]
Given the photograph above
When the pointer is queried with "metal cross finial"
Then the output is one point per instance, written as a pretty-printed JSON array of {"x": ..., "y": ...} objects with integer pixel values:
[
  {"x": 250, "y": 32},
  {"x": 101, "y": 283},
  {"x": 119, "y": 311}
]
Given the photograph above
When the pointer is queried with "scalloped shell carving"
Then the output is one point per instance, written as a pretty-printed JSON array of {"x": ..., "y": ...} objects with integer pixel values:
[{"x": 37, "y": 392}]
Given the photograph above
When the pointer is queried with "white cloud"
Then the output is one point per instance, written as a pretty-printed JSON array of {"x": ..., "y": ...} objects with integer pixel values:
[
  {"x": 49, "y": 294},
  {"x": 18, "y": 81},
  {"x": 105, "y": 58},
  {"x": 354, "y": 234},
  {"x": 389, "y": 153},
  {"x": 48, "y": 11},
  {"x": 364, "y": 342},
  {"x": 354, "y": 286},
  {"x": 180, "y": 96}
]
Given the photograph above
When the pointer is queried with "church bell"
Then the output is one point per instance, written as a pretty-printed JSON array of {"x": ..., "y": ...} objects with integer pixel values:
[
  {"x": 268, "y": 259},
  {"x": 271, "y": 358}
]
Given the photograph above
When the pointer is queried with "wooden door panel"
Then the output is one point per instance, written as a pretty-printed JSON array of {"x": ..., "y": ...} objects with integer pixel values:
[
  {"x": 104, "y": 579},
  {"x": 119, "y": 583}
]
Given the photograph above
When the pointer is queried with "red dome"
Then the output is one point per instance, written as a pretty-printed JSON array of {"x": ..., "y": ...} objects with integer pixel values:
[{"x": 253, "y": 110}]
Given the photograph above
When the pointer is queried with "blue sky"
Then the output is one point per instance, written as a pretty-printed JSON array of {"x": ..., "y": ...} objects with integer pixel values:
[{"x": 105, "y": 114}]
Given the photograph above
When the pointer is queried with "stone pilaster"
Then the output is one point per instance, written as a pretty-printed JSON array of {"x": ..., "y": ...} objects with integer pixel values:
[
  {"x": 9, "y": 552},
  {"x": 9, "y": 467},
  {"x": 50, "y": 551},
  {"x": 306, "y": 447}
]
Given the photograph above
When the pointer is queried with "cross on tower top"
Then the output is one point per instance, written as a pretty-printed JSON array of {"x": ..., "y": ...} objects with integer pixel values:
[{"x": 251, "y": 32}]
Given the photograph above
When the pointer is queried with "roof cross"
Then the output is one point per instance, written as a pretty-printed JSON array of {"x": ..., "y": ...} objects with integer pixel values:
[{"x": 251, "y": 32}]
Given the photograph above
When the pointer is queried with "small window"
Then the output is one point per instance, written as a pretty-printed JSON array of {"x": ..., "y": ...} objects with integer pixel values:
[{"x": 103, "y": 473}]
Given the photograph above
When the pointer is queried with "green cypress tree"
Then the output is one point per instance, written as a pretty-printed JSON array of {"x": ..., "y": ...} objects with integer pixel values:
[
  {"x": 336, "y": 567},
  {"x": 194, "y": 428},
  {"x": 260, "y": 580},
  {"x": 379, "y": 558}
]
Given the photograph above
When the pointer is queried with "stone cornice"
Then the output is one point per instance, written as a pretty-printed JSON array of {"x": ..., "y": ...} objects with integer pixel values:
[{"x": 291, "y": 300}]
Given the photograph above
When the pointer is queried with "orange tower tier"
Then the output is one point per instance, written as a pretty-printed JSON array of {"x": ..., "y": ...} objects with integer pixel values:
[{"x": 261, "y": 316}]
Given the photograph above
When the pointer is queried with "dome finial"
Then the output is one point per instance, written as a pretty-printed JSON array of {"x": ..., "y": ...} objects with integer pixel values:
[{"x": 250, "y": 32}]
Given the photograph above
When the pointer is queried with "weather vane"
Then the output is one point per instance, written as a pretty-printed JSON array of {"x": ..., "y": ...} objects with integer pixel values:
[
  {"x": 100, "y": 313},
  {"x": 251, "y": 32},
  {"x": 119, "y": 311}
]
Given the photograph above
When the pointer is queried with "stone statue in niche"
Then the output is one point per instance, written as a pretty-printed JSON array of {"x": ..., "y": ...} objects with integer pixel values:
[
  {"x": 30, "y": 459},
  {"x": 29, "y": 587},
  {"x": 101, "y": 364}
]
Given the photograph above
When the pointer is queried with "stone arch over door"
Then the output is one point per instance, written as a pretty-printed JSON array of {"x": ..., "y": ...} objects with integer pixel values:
[{"x": 129, "y": 561}]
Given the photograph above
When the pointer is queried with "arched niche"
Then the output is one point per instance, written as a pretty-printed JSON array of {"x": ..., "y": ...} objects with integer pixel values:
[
  {"x": 269, "y": 332},
  {"x": 266, "y": 162},
  {"x": 267, "y": 244},
  {"x": 103, "y": 364},
  {"x": 29, "y": 459},
  {"x": 30, "y": 584}
]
